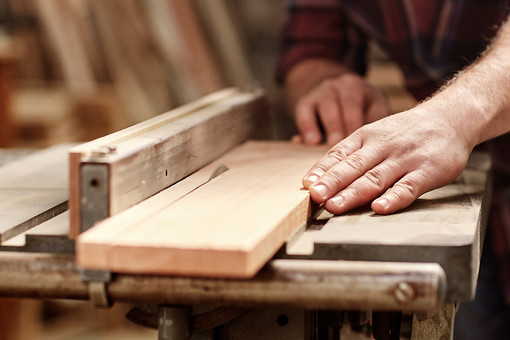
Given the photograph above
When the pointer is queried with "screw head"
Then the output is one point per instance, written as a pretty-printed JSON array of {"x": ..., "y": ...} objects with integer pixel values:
[{"x": 404, "y": 292}]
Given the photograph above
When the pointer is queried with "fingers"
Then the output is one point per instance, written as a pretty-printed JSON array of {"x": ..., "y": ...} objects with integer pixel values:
[
  {"x": 402, "y": 194},
  {"x": 364, "y": 189},
  {"x": 323, "y": 102},
  {"x": 353, "y": 107},
  {"x": 343, "y": 173},
  {"x": 342, "y": 105},
  {"x": 331, "y": 118},
  {"x": 306, "y": 122},
  {"x": 335, "y": 155}
]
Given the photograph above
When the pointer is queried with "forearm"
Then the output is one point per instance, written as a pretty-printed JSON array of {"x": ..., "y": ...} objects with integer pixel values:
[
  {"x": 307, "y": 74},
  {"x": 477, "y": 101}
]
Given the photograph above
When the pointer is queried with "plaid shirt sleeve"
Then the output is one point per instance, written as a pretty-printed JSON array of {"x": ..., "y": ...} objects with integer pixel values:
[{"x": 319, "y": 29}]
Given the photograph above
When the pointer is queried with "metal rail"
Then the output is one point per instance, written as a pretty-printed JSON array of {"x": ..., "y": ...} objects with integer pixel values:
[{"x": 297, "y": 283}]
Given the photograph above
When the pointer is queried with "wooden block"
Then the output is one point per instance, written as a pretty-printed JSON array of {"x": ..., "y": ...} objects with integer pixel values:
[
  {"x": 155, "y": 154},
  {"x": 7, "y": 81},
  {"x": 227, "y": 227}
]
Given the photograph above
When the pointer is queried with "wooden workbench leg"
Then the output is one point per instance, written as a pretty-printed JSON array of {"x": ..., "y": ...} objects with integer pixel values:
[{"x": 436, "y": 325}]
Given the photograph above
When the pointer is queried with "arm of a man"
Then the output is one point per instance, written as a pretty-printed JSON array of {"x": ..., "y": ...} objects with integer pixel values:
[
  {"x": 424, "y": 148},
  {"x": 321, "y": 66},
  {"x": 326, "y": 93}
]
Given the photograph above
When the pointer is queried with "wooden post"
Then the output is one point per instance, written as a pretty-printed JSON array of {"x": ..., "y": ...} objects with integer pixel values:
[{"x": 7, "y": 128}]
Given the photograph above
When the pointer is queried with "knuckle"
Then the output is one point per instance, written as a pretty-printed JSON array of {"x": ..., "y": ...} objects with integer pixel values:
[
  {"x": 356, "y": 163},
  {"x": 405, "y": 190},
  {"x": 338, "y": 153},
  {"x": 376, "y": 178}
]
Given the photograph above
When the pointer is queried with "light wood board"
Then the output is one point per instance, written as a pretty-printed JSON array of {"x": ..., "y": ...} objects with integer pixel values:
[
  {"x": 33, "y": 190},
  {"x": 227, "y": 227}
]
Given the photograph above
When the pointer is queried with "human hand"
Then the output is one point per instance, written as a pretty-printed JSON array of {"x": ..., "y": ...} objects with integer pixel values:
[
  {"x": 409, "y": 153},
  {"x": 341, "y": 104}
]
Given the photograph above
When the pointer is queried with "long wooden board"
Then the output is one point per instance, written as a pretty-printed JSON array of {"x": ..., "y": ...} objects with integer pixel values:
[
  {"x": 148, "y": 157},
  {"x": 33, "y": 190},
  {"x": 227, "y": 227}
]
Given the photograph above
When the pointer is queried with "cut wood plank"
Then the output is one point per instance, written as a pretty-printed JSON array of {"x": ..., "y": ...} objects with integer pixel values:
[
  {"x": 153, "y": 155},
  {"x": 56, "y": 226},
  {"x": 33, "y": 190},
  {"x": 227, "y": 227}
]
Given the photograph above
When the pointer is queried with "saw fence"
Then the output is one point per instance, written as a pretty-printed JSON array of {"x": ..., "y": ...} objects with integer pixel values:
[{"x": 188, "y": 209}]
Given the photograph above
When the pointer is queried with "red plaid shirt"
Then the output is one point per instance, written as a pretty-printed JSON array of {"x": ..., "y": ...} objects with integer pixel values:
[{"x": 430, "y": 41}]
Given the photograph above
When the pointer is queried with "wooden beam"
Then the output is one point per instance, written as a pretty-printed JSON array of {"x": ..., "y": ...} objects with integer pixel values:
[
  {"x": 228, "y": 227},
  {"x": 148, "y": 157}
]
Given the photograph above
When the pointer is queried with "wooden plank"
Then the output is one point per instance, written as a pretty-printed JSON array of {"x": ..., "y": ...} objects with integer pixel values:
[
  {"x": 153, "y": 155},
  {"x": 63, "y": 21},
  {"x": 444, "y": 226},
  {"x": 33, "y": 190},
  {"x": 56, "y": 226},
  {"x": 7, "y": 81},
  {"x": 46, "y": 169},
  {"x": 228, "y": 227},
  {"x": 198, "y": 59},
  {"x": 225, "y": 36}
]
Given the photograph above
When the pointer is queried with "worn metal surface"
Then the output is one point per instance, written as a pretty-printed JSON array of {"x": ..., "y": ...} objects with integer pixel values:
[
  {"x": 95, "y": 204},
  {"x": 174, "y": 322},
  {"x": 305, "y": 284}
]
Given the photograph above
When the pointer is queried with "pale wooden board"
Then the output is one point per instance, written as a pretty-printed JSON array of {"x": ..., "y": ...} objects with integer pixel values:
[
  {"x": 56, "y": 226},
  {"x": 46, "y": 169},
  {"x": 33, "y": 190},
  {"x": 228, "y": 227}
]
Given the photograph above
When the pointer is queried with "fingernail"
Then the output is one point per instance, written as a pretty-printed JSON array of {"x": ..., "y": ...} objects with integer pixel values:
[
  {"x": 338, "y": 200},
  {"x": 321, "y": 190},
  {"x": 383, "y": 202},
  {"x": 312, "y": 179}
]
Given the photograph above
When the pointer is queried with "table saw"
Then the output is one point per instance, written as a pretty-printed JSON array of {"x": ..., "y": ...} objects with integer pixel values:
[{"x": 314, "y": 274}]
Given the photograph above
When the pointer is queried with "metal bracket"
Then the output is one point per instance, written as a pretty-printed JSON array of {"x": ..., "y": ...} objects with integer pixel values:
[
  {"x": 94, "y": 201},
  {"x": 97, "y": 281}
]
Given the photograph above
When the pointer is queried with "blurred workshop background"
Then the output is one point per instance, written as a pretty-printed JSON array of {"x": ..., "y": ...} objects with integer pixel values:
[{"x": 74, "y": 70}]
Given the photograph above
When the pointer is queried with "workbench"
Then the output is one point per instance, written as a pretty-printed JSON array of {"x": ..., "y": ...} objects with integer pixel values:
[{"x": 357, "y": 269}]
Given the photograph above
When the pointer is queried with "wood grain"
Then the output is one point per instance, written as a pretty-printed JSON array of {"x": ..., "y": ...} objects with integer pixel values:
[{"x": 228, "y": 227}]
